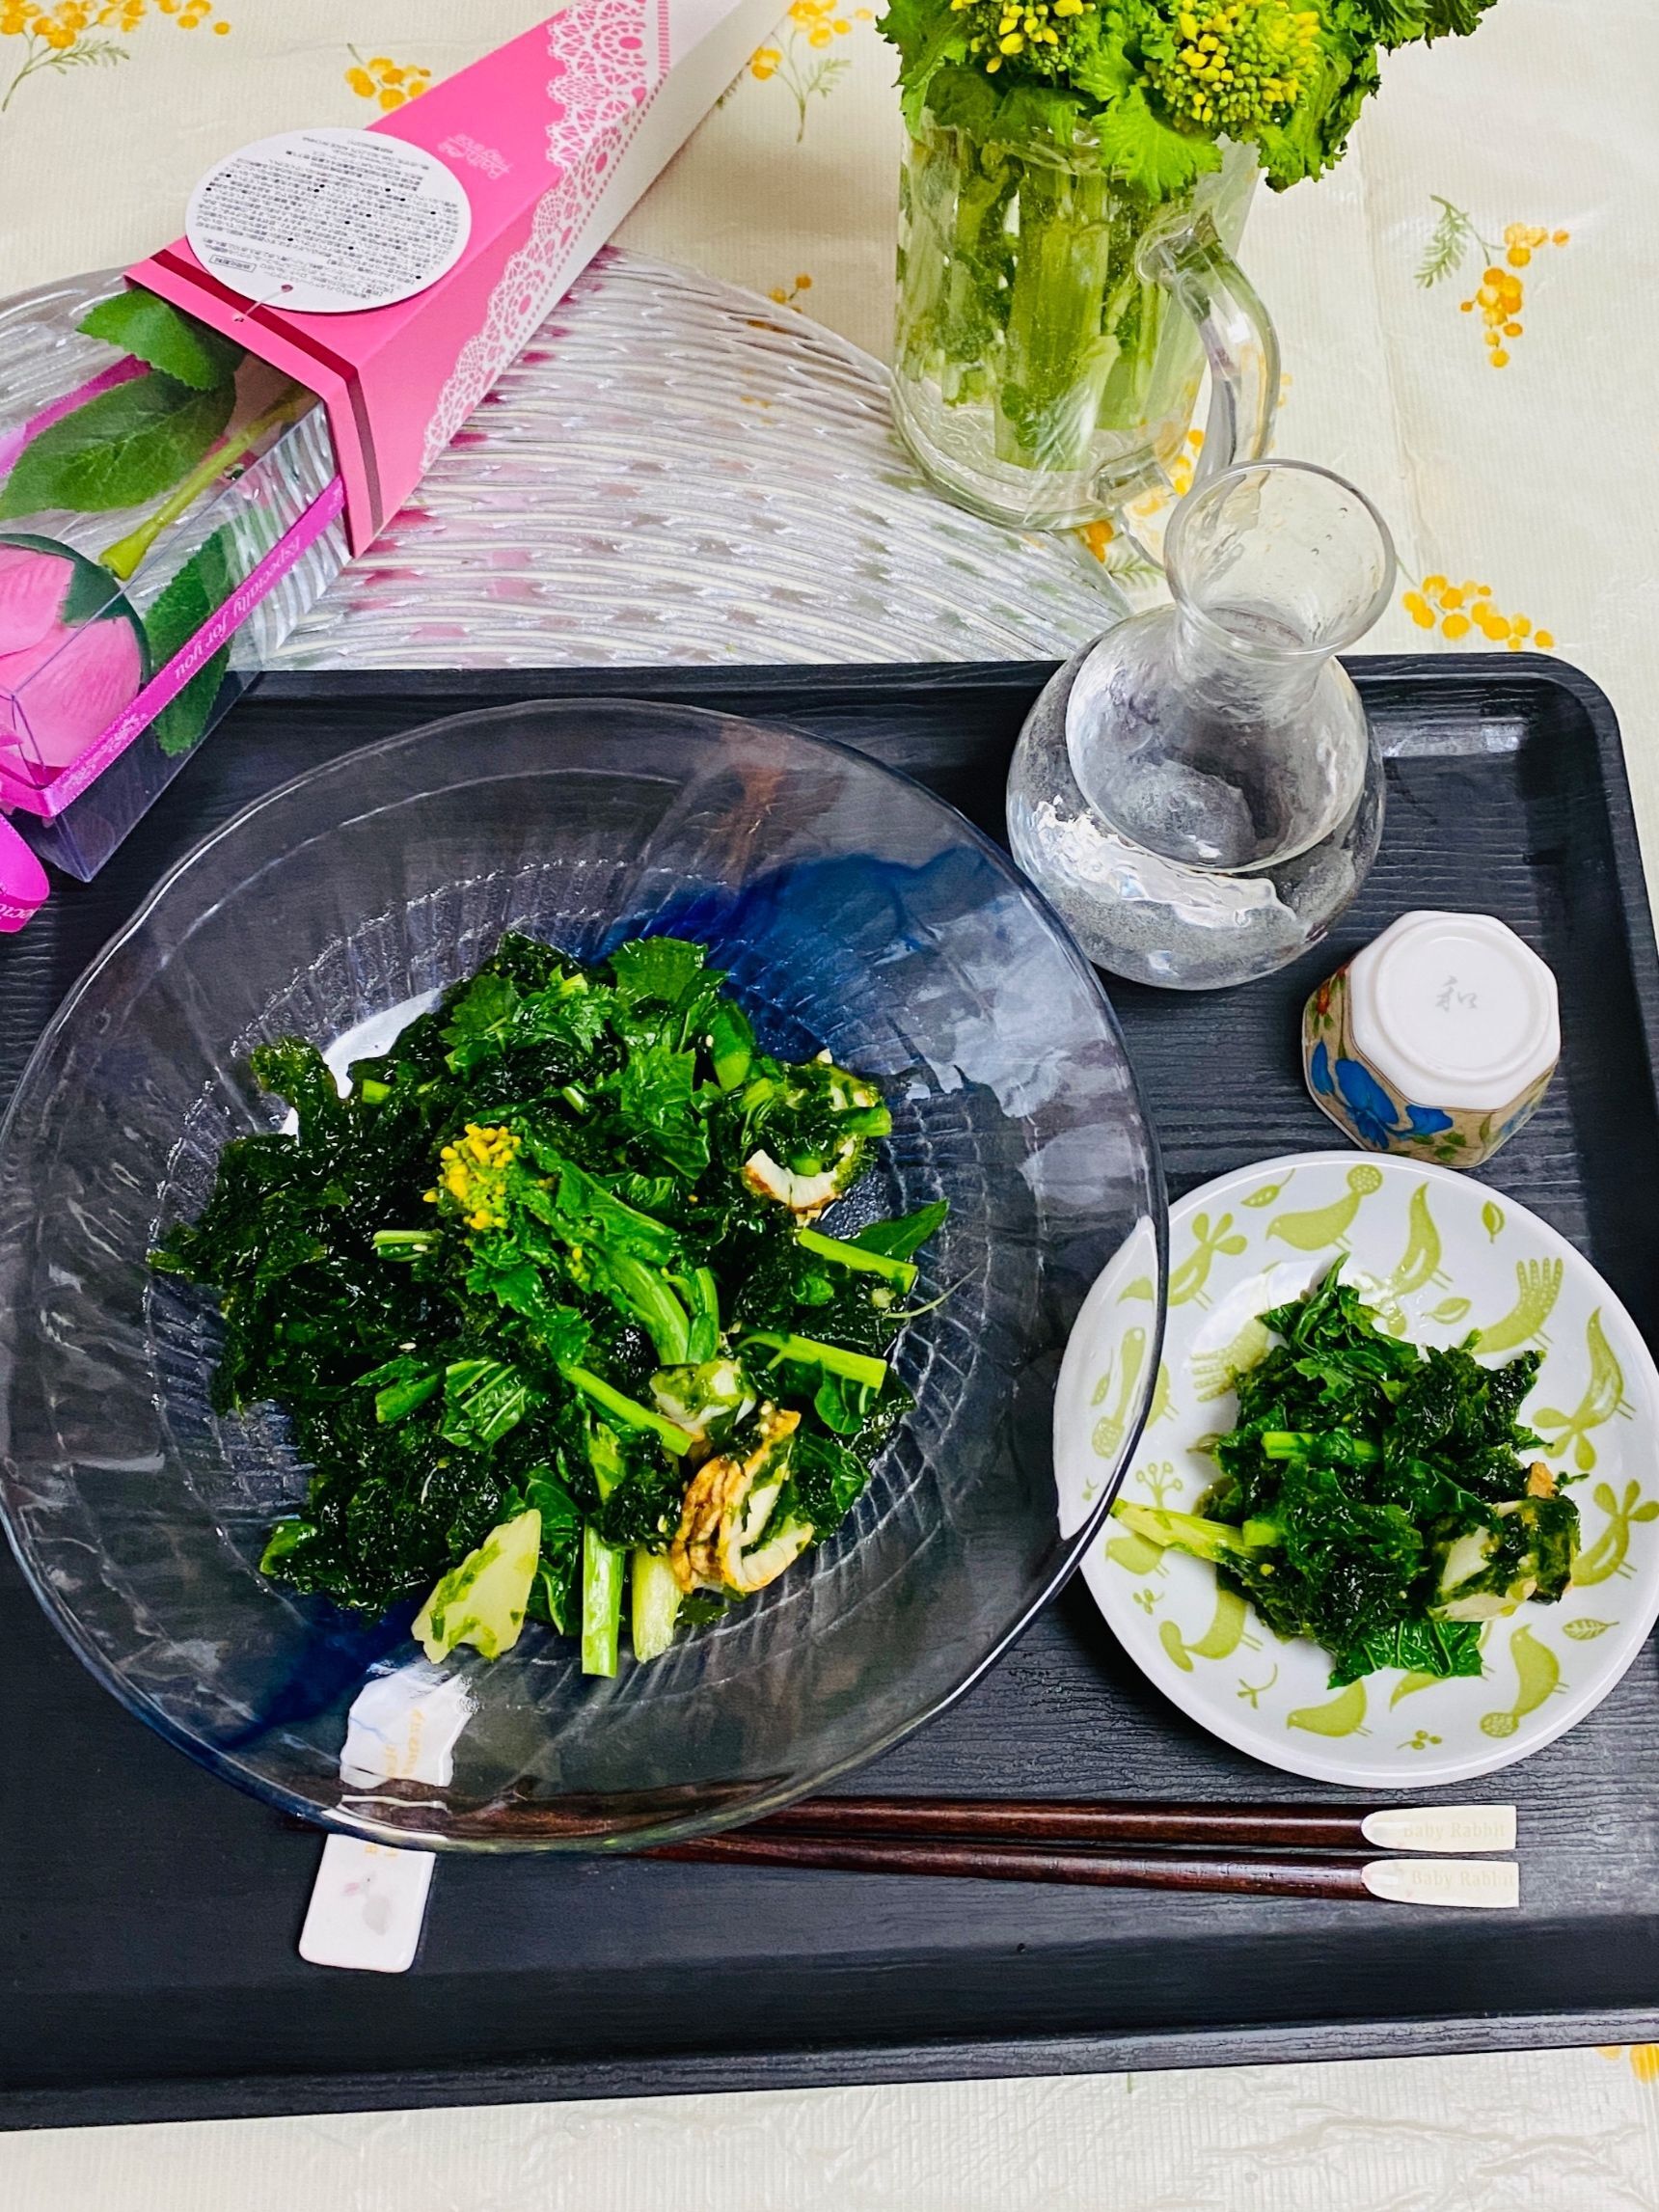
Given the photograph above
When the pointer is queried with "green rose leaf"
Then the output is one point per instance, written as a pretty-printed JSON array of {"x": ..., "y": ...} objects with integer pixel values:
[
  {"x": 204, "y": 582},
  {"x": 178, "y": 344},
  {"x": 1149, "y": 155},
  {"x": 120, "y": 449}
]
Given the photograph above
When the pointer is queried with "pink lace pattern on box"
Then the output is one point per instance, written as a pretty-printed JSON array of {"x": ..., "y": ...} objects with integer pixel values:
[{"x": 608, "y": 59}]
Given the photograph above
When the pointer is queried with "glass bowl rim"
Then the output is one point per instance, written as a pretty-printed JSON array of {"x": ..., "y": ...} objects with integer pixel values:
[{"x": 224, "y": 1764}]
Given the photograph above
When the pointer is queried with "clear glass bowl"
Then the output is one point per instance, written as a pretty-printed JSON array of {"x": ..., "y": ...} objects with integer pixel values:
[{"x": 853, "y": 910}]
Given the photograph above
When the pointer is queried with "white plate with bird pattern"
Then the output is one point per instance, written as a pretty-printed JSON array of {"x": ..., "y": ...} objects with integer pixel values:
[{"x": 1438, "y": 1257}]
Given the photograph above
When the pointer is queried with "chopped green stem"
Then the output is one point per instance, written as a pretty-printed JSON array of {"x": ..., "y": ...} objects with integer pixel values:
[
  {"x": 628, "y": 1411},
  {"x": 806, "y": 1352},
  {"x": 603, "y": 1566},
  {"x": 655, "y": 1604},
  {"x": 399, "y": 1398},
  {"x": 701, "y": 1295},
  {"x": 731, "y": 1046},
  {"x": 854, "y": 1256},
  {"x": 404, "y": 1243},
  {"x": 1298, "y": 1444},
  {"x": 605, "y": 1458},
  {"x": 123, "y": 556},
  {"x": 650, "y": 1302},
  {"x": 1204, "y": 1538},
  {"x": 865, "y": 1121}
]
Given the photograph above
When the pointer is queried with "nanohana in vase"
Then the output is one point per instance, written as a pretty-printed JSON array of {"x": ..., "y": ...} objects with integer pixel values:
[
  {"x": 1053, "y": 327},
  {"x": 1076, "y": 178}
]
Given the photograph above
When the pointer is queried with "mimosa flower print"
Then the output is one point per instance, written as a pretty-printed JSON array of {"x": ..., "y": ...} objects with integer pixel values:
[
  {"x": 1499, "y": 297},
  {"x": 386, "y": 83},
  {"x": 66, "y": 36},
  {"x": 1460, "y": 610},
  {"x": 805, "y": 61}
]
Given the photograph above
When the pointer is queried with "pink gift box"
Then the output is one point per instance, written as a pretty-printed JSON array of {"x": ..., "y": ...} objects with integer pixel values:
[{"x": 552, "y": 138}]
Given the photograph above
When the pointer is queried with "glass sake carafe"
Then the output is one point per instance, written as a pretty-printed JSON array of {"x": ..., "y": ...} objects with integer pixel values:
[{"x": 1197, "y": 791}]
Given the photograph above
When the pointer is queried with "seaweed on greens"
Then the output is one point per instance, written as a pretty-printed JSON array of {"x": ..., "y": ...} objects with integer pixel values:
[
  {"x": 1372, "y": 1496},
  {"x": 551, "y": 1252}
]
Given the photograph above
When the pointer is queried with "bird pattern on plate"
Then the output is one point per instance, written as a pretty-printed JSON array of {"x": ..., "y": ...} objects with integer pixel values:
[{"x": 1440, "y": 1259}]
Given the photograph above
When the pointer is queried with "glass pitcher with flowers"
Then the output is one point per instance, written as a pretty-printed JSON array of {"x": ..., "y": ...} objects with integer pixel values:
[{"x": 1074, "y": 185}]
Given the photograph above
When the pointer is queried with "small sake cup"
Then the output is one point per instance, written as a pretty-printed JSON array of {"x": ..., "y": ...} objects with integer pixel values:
[{"x": 1437, "y": 1041}]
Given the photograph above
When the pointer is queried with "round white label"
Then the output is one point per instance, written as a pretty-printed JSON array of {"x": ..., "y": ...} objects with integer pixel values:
[{"x": 329, "y": 222}]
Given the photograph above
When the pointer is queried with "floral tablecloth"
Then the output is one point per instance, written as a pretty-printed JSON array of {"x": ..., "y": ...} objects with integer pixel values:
[{"x": 1469, "y": 309}]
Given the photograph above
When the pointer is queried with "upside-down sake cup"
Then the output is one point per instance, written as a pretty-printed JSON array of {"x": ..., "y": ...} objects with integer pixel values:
[{"x": 1437, "y": 1041}]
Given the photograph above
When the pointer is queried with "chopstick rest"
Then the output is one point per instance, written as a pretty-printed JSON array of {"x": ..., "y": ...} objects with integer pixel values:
[
  {"x": 368, "y": 1902},
  {"x": 368, "y": 1906}
]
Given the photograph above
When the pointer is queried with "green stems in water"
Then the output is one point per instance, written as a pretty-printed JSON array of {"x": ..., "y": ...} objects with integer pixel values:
[{"x": 1020, "y": 287}]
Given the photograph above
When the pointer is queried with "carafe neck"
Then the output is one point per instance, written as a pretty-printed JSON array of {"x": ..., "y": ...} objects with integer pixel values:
[{"x": 1249, "y": 666}]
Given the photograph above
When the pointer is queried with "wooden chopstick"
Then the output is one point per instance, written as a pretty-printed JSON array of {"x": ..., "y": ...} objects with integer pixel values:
[
  {"x": 1308, "y": 1877},
  {"x": 1403, "y": 1881},
  {"x": 1028, "y": 1821}
]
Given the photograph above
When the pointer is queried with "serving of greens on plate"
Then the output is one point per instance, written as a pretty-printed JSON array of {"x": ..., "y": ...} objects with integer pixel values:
[
  {"x": 542, "y": 1296},
  {"x": 1392, "y": 1520},
  {"x": 1372, "y": 1496}
]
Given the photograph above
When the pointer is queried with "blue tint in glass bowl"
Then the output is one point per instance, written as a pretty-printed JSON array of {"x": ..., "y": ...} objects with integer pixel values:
[{"x": 853, "y": 911}]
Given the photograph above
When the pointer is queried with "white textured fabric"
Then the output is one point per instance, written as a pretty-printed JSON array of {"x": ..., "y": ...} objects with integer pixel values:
[{"x": 1567, "y": 2132}]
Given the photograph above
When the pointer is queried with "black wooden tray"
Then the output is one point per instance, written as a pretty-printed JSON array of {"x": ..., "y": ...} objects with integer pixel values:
[{"x": 148, "y": 1968}]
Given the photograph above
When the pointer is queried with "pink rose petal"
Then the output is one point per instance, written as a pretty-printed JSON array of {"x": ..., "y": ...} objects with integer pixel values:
[
  {"x": 33, "y": 589},
  {"x": 64, "y": 692}
]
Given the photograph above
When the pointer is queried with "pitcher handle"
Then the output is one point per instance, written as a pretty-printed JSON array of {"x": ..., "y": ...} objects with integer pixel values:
[{"x": 1188, "y": 260}]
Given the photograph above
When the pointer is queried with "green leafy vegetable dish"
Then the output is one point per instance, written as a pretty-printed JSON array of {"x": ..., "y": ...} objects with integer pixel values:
[
  {"x": 542, "y": 1296},
  {"x": 1375, "y": 1496}
]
